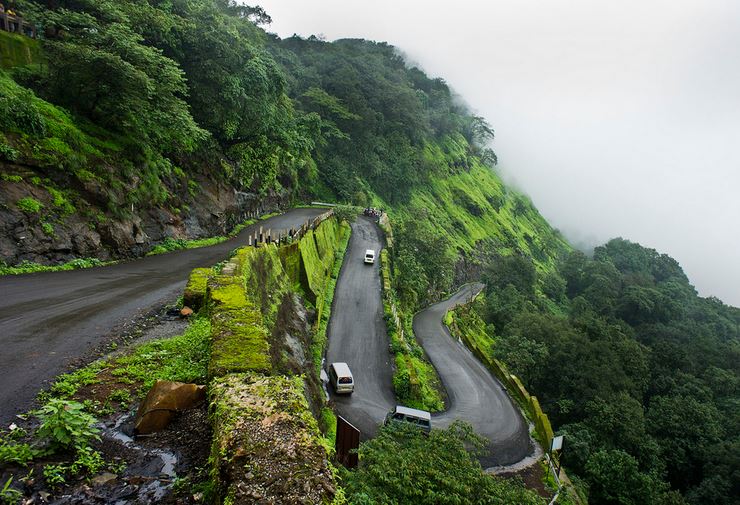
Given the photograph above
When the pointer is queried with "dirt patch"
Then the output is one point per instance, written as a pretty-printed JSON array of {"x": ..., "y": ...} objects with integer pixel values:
[{"x": 533, "y": 477}]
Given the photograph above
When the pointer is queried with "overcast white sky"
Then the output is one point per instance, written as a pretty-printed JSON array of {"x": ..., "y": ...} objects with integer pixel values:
[{"x": 617, "y": 118}]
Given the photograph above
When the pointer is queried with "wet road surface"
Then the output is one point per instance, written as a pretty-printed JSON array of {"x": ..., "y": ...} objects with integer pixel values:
[
  {"x": 474, "y": 394},
  {"x": 48, "y": 319},
  {"x": 357, "y": 336},
  {"x": 357, "y": 333}
]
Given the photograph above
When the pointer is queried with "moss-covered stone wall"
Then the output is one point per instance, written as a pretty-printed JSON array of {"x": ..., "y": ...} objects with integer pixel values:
[
  {"x": 194, "y": 295},
  {"x": 238, "y": 333},
  {"x": 267, "y": 447}
]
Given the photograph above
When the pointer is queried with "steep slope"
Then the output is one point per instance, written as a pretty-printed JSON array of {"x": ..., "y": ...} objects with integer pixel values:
[{"x": 138, "y": 120}]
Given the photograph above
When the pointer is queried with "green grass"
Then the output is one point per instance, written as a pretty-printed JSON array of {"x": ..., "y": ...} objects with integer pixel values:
[
  {"x": 17, "y": 50},
  {"x": 11, "y": 178},
  {"x": 170, "y": 244},
  {"x": 28, "y": 267},
  {"x": 29, "y": 205},
  {"x": 183, "y": 358}
]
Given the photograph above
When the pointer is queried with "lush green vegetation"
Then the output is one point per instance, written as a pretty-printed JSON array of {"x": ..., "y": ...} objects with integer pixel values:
[
  {"x": 27, "y": 267},
  {"x": 18, "y": 50},
  {"x": 640, "y": 373},
  {"x": 135, "y": 98},
  {"x": 402, "y": 465},
  {"x": 161, "y": 86},
  {"x": 182, "y": 358}
]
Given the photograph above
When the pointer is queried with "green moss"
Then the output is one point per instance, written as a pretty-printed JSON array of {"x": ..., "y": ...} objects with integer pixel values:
[
  {"x": 265, "y": 279},
  {"x": 317, "y": 258},
  {"x": 48, "y": 229},
  {"x": 238, "y": 335},
  {"x": 263, "y": 429},
  {"x": 291, "y": 258},
  {"x": 29, "y": 205},
  {"x": 194, "y": 295},
  {"x": 18, "y": 50}
]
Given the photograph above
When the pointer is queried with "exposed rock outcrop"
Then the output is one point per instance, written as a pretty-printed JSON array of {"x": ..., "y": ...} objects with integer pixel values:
[{"x": 90, "y": 220}]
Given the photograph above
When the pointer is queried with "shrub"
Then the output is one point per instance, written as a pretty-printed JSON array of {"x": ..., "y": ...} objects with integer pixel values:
[
  {"x": 19, "y": 454},
  {"x": 66, "y": 425},
  {"x": 9, "y": 154},
  {"x": 20, "y": 114},
  {"x": 29, "y": 205}
]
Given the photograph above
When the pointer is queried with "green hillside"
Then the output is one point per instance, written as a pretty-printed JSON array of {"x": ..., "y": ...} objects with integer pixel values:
[
  {"x": 138, "y": 122},
  {"x": 17, "y": 50}
]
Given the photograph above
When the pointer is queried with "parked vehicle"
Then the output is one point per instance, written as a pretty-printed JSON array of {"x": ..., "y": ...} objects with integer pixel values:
[
  {"x": 369, "y": 257},
  {"x": 341, "y": 378},
  {"x": 419, "y": 418}
]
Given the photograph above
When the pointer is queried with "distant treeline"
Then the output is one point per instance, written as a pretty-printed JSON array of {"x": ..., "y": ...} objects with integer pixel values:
[{"x": 639, "y": 373}]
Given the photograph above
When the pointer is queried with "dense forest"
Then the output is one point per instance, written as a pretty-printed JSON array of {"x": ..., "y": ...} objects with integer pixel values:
[
  {"x": 639, "y": 373},
  {"x": 138, "y": 104}
]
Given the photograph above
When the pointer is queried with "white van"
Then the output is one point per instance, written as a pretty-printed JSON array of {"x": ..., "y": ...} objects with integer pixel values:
[
  {"x": 341, "y": 378},
  {"x": 419, "y": 418},
  {"x": 369, "y": 257}
]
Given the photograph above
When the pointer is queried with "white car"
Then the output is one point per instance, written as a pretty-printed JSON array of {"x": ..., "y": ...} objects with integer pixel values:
[
  {"x": 419, "y": 418},
  {"x": 341, "y": 378},
  {"x": 369, "y": 257}
]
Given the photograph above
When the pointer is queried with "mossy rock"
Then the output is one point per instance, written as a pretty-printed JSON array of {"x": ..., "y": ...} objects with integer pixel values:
[
  {"x": 238, "y": 334},
  {"x": 317, "y": 248},
  {"x": 266, "y": 445},
  {"x": 265, "y": 279},
  {"x": 290, "y": 256},
  {"x": 195, "y": 290}
]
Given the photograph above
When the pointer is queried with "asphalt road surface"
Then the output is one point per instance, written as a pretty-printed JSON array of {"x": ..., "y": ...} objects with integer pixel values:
[
  {"x": 48, "y": 319},
  {"x": 357, "y": 333},
  {"x": 474, "y": 394},
  {"x": 357, "y": 336}
]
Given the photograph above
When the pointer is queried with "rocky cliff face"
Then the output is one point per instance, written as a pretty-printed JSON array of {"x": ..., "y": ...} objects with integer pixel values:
[{"x": 38, "y": 224}]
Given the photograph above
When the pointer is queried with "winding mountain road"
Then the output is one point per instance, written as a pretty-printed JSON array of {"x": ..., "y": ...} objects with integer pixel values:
[
  {"x": 357, "y": 335},
  {"x": 49, "y": 319},
  {"x": 474, "y": 394}
]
